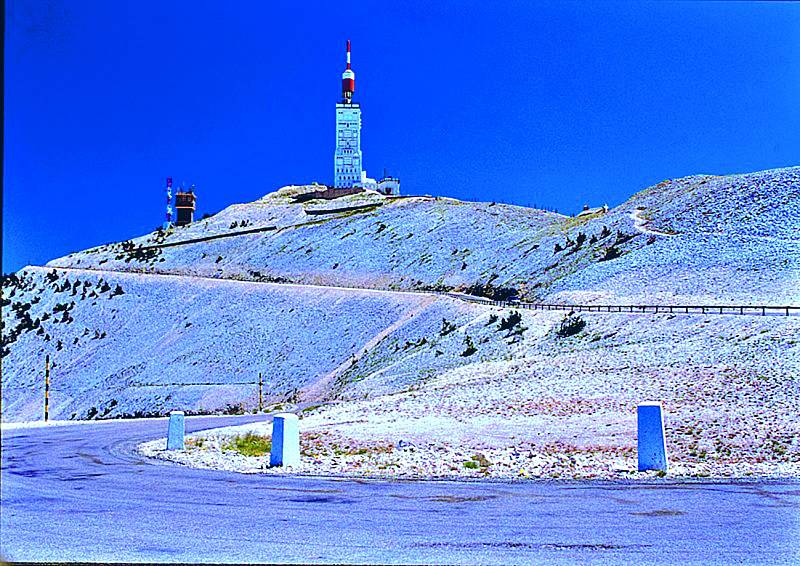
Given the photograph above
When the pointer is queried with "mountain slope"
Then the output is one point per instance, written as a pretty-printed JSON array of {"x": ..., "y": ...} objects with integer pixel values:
[
  {"x": 135, "y": 328},
  {"x": 699, "y": 239},
  {"x": 126, "y": 343}
]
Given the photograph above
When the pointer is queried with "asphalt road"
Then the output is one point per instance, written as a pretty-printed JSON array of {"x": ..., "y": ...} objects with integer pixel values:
[{"x": 79, "y": 493}]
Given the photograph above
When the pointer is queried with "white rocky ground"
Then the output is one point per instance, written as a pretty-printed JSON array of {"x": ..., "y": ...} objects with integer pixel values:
[
  {"x": 415, "y": 375},
  {"x": 170, "y": 342},
  {"x": 565, "y": 407},
  {"x": 735, "y": 240}
]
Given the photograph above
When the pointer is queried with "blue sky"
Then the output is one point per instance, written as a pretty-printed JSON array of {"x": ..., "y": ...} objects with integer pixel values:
[{"x": 535, "y": 103}]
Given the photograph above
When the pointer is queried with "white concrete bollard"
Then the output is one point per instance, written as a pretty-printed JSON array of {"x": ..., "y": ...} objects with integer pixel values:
[
  {"x": 652, "y": 445},
  {"x": 285, "y": 440},
  {"x": 176, "y": 431}
]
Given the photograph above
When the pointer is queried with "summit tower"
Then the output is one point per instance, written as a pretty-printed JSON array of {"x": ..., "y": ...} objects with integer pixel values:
[{"x": 347, "y": 159}]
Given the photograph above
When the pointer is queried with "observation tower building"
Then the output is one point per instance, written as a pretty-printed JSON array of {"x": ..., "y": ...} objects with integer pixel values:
[{"x": 347, "y": 157}]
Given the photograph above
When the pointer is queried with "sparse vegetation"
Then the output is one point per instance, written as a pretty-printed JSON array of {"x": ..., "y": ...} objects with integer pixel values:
[
  {"x": 514, "y": 319},
  {"x": 469, "y": 347},
  {"x": 233, "y": 409},
  {"x": 249, "y": 445},
  {"x": 571, "y": 325},
  {"x": 447, "y": 327},
  {"x": 611, "y": 252}
]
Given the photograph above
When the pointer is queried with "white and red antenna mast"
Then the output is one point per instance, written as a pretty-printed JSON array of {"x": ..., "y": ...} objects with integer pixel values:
[
  {"x": 348, "y": 80},
  {"x": 168, "y": 222}
]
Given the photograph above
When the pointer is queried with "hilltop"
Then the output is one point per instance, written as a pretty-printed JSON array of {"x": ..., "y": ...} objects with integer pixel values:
[{"x": 704, "y": 239}]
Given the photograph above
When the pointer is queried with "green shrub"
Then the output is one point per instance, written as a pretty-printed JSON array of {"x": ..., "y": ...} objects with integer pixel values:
[
  {"x": 469, "y": 347},
  {"x": 447, "y": 327},
  {"x": 513, "y": 320},
  {"x": 612, "y": 252},
  {"x": 234, "y": 409},
  {"x": 249, "y": 445},
  {"x": 571, "y": 324}
]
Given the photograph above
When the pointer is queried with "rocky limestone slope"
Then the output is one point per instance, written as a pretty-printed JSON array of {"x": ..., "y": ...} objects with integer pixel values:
[
  {"x": 184, "y": 320},
  {"x": 703, "y": 239},
  {"x": 127, "y": 344}
]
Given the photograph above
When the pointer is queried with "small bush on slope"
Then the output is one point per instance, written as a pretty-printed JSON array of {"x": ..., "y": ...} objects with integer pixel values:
[
  {"x": 513, "y": 320},
  {"x": 570, "y": 325},
  {"x": 612, "y": 252},
  {"x": 447, "y": 327},
  {"x": 469, "y": 347}
]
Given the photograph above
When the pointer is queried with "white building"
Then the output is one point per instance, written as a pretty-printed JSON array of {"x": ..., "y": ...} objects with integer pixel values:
[
  {"x": 389, "y": 186},
  {"x": 347, "y": 158},
  {"x": 348, "y": 163}
]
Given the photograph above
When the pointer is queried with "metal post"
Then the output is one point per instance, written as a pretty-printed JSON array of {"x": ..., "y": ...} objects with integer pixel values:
[
  {"x": 47, "y": 387},
  {"x": 260, "y": 397}
]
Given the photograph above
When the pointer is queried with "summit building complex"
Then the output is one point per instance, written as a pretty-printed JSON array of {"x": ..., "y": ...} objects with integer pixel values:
[{"x": 348, "y": 161}]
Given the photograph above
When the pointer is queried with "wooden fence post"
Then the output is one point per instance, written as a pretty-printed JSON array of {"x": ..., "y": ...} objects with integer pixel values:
[
  {"x": 260, "y": 388},
  {"x": 47, "y": 387}
]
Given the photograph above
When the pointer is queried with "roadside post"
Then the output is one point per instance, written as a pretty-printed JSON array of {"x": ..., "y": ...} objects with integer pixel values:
[
  {"x": 47, "y": 387},
  {"x": 260, "y": 389},
  {"x": 176, "y": 431},
  {"x": 651, "y": 445},
  {"x": 285, "y": 449}
]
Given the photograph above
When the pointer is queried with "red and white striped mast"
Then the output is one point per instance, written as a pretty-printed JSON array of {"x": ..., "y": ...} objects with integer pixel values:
[{"x": 348, "y": 80}]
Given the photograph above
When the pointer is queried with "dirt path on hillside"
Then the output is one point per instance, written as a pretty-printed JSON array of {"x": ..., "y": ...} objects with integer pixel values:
[
  {"x": 320, "y": 387},
  {"x": 640, "y": 224}
]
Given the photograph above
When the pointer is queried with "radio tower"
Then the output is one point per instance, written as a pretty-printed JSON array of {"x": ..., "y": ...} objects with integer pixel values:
[
  {"x": 347, "y": 159},
  {"x": 168, "y": 223}
]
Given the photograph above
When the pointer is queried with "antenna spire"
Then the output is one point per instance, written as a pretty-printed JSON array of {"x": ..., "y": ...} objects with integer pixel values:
[{"x": 348, "y": 80}]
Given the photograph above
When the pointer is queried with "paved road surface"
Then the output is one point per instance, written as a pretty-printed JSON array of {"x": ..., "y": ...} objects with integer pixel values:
[{"x": 79, "y": 493}]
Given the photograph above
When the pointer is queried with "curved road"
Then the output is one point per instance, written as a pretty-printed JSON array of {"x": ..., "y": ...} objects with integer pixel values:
[{"x": 78, "y": 492}]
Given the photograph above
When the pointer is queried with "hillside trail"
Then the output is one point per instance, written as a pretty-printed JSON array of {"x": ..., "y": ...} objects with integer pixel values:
[
  {"x": 640, "y": 223},
  {"x": 317, "y": 389}
]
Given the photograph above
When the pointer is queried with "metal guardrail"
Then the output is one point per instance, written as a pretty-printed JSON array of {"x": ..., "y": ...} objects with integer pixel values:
[{"x": 759, "y": 310}]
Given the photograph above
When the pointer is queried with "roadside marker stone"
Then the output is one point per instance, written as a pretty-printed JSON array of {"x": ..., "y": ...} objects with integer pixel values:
[
  {"x": 652, "y": 447},
  {"x": 176, "y": 431},
  {"x": 285, "y": 440}
]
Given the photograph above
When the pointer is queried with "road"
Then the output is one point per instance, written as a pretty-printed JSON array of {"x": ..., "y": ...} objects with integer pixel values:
[
  {"x": 80, "y": 493},
  {"x": 706, "y": 310}
]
